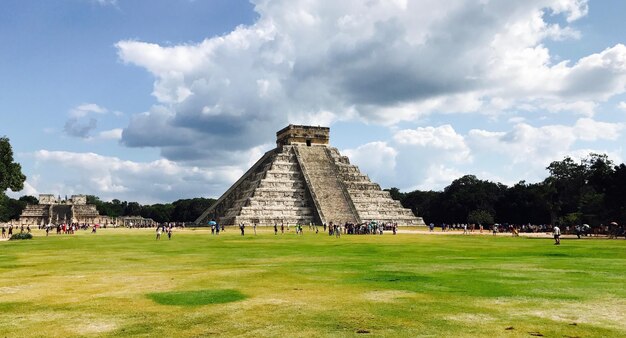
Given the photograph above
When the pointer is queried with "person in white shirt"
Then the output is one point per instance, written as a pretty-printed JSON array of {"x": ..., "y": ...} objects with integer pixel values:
[{"x": 557, "y": 235}]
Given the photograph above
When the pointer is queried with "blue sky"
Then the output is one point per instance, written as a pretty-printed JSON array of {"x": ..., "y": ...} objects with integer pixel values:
[{"x": 161, "y": 100}]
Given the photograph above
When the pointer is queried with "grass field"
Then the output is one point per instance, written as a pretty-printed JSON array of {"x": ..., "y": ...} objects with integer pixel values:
[{"x": 122, "y": 282}]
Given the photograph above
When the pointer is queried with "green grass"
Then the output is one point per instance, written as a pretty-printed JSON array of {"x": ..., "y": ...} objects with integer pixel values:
[
  {"x": 122, "y": 282},
  {"x": 196, "y": 297}
]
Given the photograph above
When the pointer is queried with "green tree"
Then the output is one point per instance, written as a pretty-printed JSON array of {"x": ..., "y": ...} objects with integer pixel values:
[
  {"x": 10, "y": 208},
  {"x": 524, "y": 203},
  {"x": 29, "y": 199},
  {"x": 480, "y": 217},
  {"x": 466, "y": 194},
  {"x": 188, "y": 210},
  {"x": 395, "y": 193},
  {"x": 11, "y": 176}
]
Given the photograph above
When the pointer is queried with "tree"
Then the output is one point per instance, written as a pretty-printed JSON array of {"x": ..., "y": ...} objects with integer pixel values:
[
  {"x": 466, "y": 194},
  {"x": 524, "y": 203},
  {"x": 188, "y": 210},
  {"x": 11, "y": 176},
  {"x": 480, "y": 217},
  {"x": 10, "y": 208},
  {"x": 29, "y": 199},
  {"x": 395, "y": 193},
  {"x": 565, "y": 185}
]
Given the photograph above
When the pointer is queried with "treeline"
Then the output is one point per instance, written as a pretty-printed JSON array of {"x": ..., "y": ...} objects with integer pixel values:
[
  {"x": 592, "y": 191},
  {"x": 183, "y": 210},
  {"x": 11, "y": 208}
]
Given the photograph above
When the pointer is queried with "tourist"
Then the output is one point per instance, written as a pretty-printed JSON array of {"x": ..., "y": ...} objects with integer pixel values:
[
  {"x": 557, "y": 235},
  {"x": 242, "y": 227},
  {"x": 395, "y": 228},
  {"x": 217, "y": 229},
  {"x": 324, "y": 227},
  {"x": 4, "y": 232},
  {"x": 465, "y": 229},
  {"x": 28, "y": 229},
  {"x": 432, "y": 227},
  {"x": 158, "y": 233},
  {"x": 93, "y": 229},
  {"x": 254, "y": 227},
  {"x": 282, "y": 228},
  {"x": 47, "y": 230},
  {"x": 275, "y": 229},
  {"x": 169, "y": 233},
  {"x": 495, "y": 229},
  {"x": 212, "y": 229},
  {"x": 10, "y": 230}
]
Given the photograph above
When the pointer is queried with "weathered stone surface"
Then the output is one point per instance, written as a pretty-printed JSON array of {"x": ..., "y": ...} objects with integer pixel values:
[
  {"x": 304, "y": 181},
  {"x": 54, "y": 210}
]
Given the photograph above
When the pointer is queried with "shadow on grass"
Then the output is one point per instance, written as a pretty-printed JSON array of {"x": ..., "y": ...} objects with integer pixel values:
[{"x": 197, "y": 297}]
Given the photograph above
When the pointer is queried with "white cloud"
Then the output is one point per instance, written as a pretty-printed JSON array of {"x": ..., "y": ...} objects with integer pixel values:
[
  {"x": 585, "y": 108},
  {"x": 111, "y": 177},
  {"x": 375, "y": 159},
  {"x": 106, "y": 2},
  {"x": 523, "y": 152},
  {"x": 432, "y": 157},
  {"x": 589, "y": 130},
  {"x": 28, "y": 189},
  {"x": 85, "y": 109},
  {"x": 437, "y": 176},
  {"x": 622, "y": 105},
  {"x": 381, "y": 62},
  {"x": 82, "y": 121},
  {"x": 442, "y": 138},
  {"x": 113, "y": 134}
]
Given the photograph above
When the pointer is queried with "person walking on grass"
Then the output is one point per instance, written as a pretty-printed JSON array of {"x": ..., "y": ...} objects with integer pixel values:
[
  {"x": 495, "y": 229},
  {"x": 254, "y": 227},
  {"x": 556, "y": 231},
  {"x": 242, "y": 227},
  {"x": 282, "y": 228},
  {"x": 275, "y": 229},
  {"x": 169, "y": 233},
  {"x": 158, "y": 232},
  {"x": 4, "y": 232}
]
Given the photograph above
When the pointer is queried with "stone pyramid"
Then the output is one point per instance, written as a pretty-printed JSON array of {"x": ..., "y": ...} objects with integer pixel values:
[{"x": 304, "y": 180}]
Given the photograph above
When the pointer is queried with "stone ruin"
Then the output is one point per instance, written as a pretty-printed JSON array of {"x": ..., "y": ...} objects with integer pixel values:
[
  {"x": 56, "y": 210},
  {"x": 304, "y": 180}
]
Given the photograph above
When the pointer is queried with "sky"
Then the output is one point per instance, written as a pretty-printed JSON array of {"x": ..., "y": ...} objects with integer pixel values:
[{"x": 155, "y": 101}]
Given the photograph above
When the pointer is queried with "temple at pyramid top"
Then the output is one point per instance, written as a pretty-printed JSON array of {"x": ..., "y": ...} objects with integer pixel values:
[
  {"x": 305, "y": 180},
  {"x": 308, "y": 135}
]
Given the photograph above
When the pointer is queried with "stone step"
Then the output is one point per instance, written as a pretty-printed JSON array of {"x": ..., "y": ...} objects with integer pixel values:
[{"x": 323, "y": 182}]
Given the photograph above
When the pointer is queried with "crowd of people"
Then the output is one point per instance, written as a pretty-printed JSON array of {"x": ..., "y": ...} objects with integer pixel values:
[
  {"x": 612, "y": 230},
  {"x": 166, "y": 228},
  {"x": 333, "y": 229}
]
